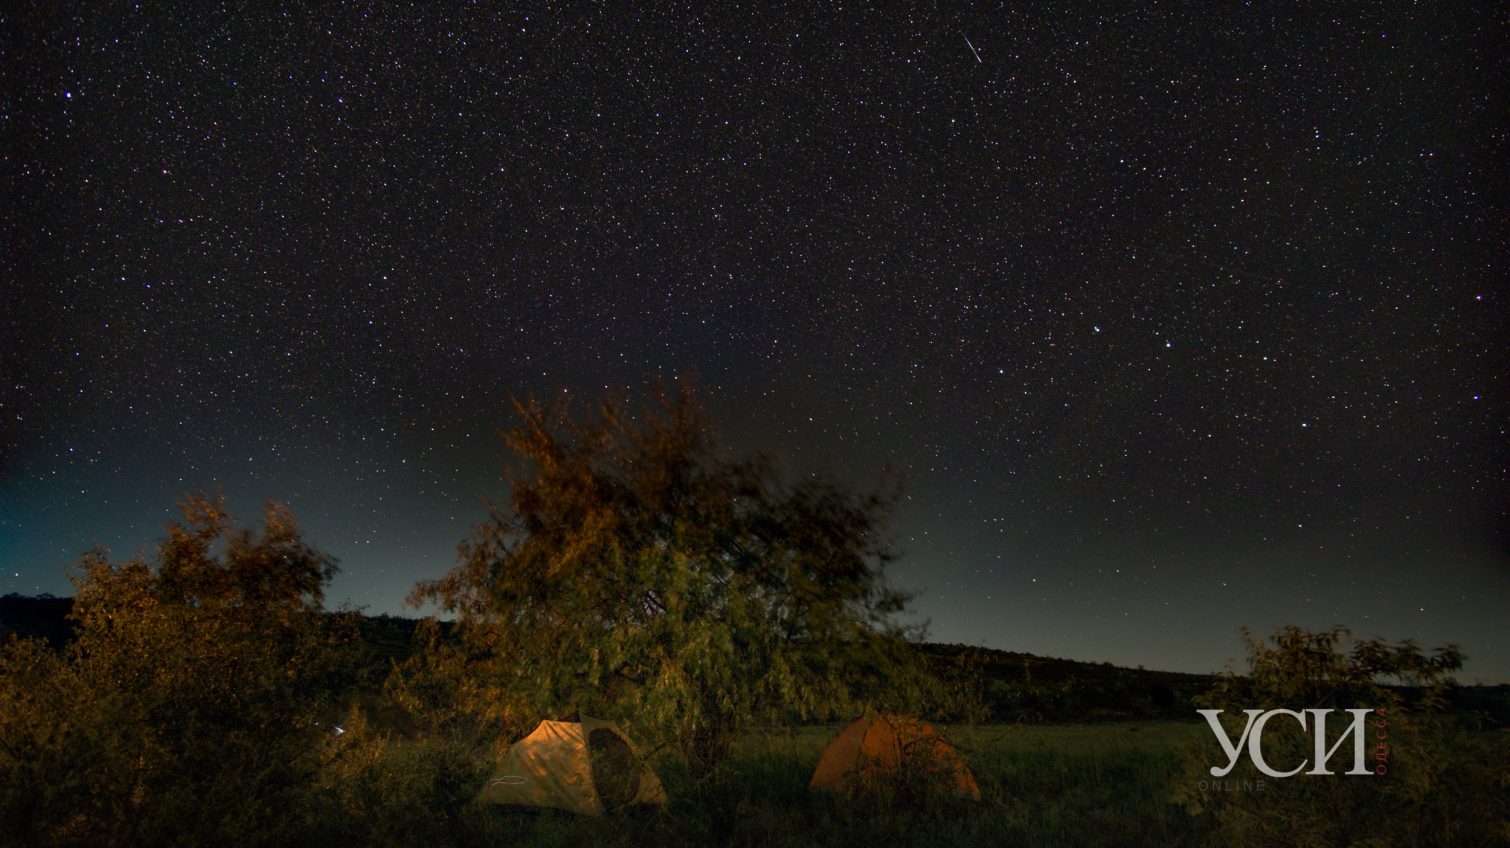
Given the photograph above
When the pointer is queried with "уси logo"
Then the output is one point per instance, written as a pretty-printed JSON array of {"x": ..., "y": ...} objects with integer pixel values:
[{"x": 1314, "y": 722}]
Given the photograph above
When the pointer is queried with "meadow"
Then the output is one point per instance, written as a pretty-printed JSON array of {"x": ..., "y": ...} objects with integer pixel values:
[
  {"x": 1071, "y": 785},
  {"x": 1107, "y": 785},
  {"x": 1088, "y": 755}
]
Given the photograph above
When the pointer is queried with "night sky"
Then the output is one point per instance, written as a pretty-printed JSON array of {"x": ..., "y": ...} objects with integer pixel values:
[{"x": 1173, "y": 321}]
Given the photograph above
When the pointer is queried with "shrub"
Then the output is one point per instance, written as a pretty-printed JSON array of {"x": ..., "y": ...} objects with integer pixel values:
[
  {"x": 1435, "y": 789},
  {"x": 187, "y": 709}
]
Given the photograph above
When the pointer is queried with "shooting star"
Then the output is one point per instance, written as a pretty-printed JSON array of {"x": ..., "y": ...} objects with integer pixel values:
[{"x": 972, "y": 49}]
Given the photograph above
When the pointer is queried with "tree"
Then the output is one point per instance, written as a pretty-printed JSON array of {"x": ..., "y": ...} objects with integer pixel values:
[
  {"x": 186, "y": 709},
  {"x": 1431, "y": 782},
  {"x": 636, "y": 571}
]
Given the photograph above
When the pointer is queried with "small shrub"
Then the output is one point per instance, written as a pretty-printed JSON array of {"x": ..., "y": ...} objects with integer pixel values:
[{"x": 1433, "y": 791}]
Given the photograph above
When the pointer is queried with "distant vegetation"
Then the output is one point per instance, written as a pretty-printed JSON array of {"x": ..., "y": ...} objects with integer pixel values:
[
  {"x": 1048, "y": 775},
  {"x": 998, "y": 687},
  {"x": 1436, "y": 779},
  {"x": 204, "y": 696},
  {"x": 1002, "y": 687}
]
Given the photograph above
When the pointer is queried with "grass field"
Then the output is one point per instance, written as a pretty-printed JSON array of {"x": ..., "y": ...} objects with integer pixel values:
[
  {"x": 88, "y": 763},
  {"x": 1075, "y": 785}
]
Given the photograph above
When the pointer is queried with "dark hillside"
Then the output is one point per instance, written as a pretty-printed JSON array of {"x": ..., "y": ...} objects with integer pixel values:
[
  {"x": 42, "y": 617},
  {"x": 1010, "y": 686},
  {"x": 1019, "y": 687}
]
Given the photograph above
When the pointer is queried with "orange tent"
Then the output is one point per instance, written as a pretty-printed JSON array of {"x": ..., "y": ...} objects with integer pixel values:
[{"x": 893, "y": 749}]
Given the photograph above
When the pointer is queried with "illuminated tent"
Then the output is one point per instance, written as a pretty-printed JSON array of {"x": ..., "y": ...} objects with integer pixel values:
[
  {"x": 894, "y": 751},
  {"x": 586, "y": 766}
]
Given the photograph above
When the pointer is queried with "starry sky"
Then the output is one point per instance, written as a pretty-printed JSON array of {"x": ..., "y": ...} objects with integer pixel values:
[{"x": 1174, "y": 321}]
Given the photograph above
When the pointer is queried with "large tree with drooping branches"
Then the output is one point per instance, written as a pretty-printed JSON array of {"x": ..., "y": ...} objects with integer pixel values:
[{"x": 636, "y": 570}]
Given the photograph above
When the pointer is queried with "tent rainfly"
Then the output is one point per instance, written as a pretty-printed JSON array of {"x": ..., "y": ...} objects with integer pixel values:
[
  {"x": 892, "y": 749},
  {"x": 586, "y": 766}
]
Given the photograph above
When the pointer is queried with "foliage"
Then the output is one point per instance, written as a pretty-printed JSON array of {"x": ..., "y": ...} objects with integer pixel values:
[
  {"x": 1077, "y": 785},
  {"x": 186, "y": 708},
  {"x": 636, "y": 572},
  {"x": 378, "y": 790},
  {"x": 982, "y": 684},
  {"x": 1431, "y": 789}
]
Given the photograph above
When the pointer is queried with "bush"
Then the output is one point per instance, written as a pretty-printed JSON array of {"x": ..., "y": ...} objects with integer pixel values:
[
  {"x": 1436, "y": 788},
  {"x": 188, "y": 708},
  {"x": 378, "y": 790}
]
